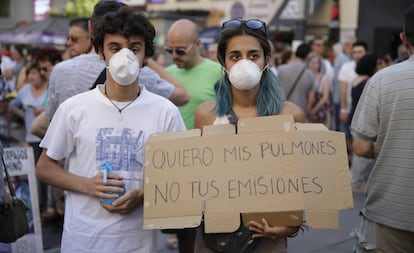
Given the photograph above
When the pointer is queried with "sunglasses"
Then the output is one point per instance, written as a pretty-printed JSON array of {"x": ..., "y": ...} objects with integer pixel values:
[
  {"x": 180, "y": 51},
  {"x": 74, "y": 39},
  {"x": 253, "y": 24}
]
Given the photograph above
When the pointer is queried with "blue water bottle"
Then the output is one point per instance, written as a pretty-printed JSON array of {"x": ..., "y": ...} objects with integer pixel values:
[{"x": 107, "y": 168}]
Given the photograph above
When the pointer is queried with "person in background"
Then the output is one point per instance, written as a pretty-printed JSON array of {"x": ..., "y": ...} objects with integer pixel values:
[
  {"x": 51, "y": 198},
  {"x": 402, "y": 54},
  {"x": 382, "y": 129},
  {"x": 198, "y": 75},
  {"x": 212, "y": 51},
  {"x": 346, "y": 76},
  {"x": 247, "y": 89},
  {"x": 319, "y": 101},
  {"x": 296, "y": 79},
  {"x": 160, "y": 58},
  {"x": 286, "y": 56},
  {"x": 28, "y": 60},
  {"x": 318, "y": 48},
  {"x": 345, "y": 55},
  {"x": 47, "y": 58},
  {"x": 100, "y": 127},
  {"x": 385, "y": 60},
  {"x": 30, "y": 97},
  {"x": 79, "y": 41},
  {"x": 18, "y": 56},
  {"x": 365, "y": 68},
  {"x": 7, "y": 81}
]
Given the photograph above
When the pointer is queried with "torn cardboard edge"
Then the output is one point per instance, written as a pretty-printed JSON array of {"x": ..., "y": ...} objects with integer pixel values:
[{"x": 221, "y": 215}]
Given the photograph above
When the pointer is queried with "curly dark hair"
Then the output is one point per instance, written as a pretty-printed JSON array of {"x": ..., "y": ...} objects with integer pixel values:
[
  {"x": 127, "y": 22},
  {"x": 48, "y": 54}
]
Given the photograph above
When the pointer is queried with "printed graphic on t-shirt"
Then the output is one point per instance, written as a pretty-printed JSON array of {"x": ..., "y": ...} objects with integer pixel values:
[{"x": 123, "y": 147}]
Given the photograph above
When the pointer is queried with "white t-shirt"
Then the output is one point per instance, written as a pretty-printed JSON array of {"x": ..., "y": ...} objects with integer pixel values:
[
  {"x": 86, "y": 130},
  {"x": 347, "y": 73}
]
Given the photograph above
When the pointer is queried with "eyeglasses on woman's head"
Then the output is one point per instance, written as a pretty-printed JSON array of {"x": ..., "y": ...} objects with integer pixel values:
[{"x": 253, "y": 24}]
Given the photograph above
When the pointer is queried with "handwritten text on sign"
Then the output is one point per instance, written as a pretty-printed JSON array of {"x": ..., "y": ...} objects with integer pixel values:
[
  {"x": 198, "y": 159},
  {"x": 17, "y": 159},
  {"x": 204, "y": 156}
]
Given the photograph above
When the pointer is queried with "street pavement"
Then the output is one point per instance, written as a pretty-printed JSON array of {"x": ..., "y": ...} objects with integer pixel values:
[{"x": 311, "y": 241}]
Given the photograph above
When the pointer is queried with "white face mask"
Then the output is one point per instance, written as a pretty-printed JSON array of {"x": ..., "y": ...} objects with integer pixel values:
[
  {"x": 245, "y": 74},
  {"x": 124, "y": 67}
]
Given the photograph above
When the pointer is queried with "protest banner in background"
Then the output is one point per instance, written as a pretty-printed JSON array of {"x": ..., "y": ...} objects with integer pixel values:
[{"x": 21, "y": 167}]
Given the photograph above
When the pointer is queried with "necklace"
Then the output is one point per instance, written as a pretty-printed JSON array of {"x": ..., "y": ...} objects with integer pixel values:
[{"x": 117, "y": 107}]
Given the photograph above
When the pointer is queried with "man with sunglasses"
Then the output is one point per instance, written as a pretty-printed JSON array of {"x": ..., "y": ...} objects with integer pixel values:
[
  {"x": 78, "y": 40},
  {"x": 198, "y": 76}
]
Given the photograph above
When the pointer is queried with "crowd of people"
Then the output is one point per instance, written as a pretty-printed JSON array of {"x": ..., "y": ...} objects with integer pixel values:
[{"x": 99, "y": 100}]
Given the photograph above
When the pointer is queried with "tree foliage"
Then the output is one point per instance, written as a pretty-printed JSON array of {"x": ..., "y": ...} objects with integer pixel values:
[{"x": 76, "y": 9}]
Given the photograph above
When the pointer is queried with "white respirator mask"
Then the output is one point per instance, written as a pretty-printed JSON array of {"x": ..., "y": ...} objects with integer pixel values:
[
  {"x": 124, "y": 67},
  {"x": 245, "y": 74}
]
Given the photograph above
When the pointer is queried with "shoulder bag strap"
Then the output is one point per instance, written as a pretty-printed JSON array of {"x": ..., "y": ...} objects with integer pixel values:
[
  {"x": 232, "y": 117},
  {"x": 295, "y": 83},
  {"x": 3, "y": 164}
]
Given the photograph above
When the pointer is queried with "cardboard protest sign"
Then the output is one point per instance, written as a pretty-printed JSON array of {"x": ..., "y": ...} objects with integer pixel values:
[{"x": 272, "y": 168}]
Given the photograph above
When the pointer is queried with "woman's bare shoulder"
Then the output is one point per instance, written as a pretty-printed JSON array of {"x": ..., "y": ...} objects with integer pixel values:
[
  {"x": 294, "y": 110},
  {"x": 205, "y": 114}
]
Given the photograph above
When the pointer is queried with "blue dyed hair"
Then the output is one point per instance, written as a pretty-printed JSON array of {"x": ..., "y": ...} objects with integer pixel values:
[{"x": 270, "y": 98}]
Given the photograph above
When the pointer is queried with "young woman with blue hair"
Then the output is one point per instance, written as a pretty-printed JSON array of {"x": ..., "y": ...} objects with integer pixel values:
[{"x": 247, "y": 89}]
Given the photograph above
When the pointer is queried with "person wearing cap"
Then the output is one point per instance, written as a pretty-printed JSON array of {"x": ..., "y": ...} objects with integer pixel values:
[
  {"x": 382, "y": 129},
  {"x": 102, "y": 134}
]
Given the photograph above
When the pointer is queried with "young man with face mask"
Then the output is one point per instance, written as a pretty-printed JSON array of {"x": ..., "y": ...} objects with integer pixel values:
[{"x": 108, "y": 125}]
